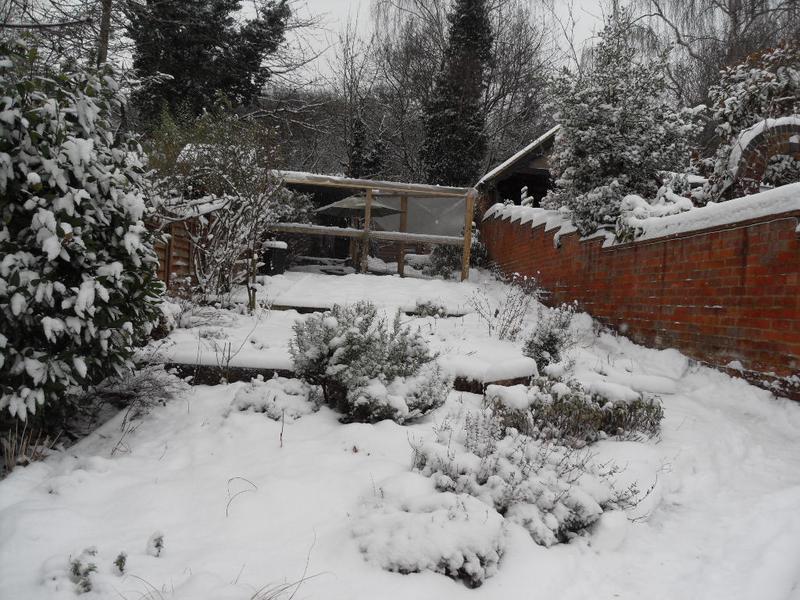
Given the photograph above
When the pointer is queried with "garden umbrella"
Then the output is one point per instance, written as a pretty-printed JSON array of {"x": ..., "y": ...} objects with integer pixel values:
[{"x": 355, "y": 205}]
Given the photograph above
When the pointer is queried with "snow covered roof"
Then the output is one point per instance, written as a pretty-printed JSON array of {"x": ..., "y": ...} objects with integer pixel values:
[
  {"x": 507, "y": 164},
  {"x": 419, "y": 190}
]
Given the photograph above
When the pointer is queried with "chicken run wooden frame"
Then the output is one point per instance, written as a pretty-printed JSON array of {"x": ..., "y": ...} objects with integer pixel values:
[{"x": 384, "y": 188}]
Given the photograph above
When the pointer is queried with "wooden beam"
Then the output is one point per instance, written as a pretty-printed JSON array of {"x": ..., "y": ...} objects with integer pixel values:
[
  {"x": 422, "y": 238},
  {"x": 468, "y": 214},
  {"x": 365, "y": 241},
  {"x": 347, "y": 232},
  {"x": 411, "y": 189},
  {"x": 401, "y": 258}
]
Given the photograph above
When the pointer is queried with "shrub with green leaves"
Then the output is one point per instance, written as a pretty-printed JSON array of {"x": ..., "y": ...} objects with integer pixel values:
[
  {"x": 78, "y": 287},
  {"x": 552, "y": 336},
  {"x": 551, "y": 490},
  {"x": 445, "y": 260},
  {"x": 565, "y": 411},
  {"x": 369, "y": 369}
]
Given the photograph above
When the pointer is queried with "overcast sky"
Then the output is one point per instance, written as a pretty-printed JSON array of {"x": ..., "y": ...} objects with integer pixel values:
[{"x": 334, "y": 14}]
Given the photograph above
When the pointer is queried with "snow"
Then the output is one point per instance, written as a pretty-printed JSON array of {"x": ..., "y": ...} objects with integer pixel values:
[
  {"x": 748, "y": 135},
  {"x": 243, "y": 501},
  {"x": 771, "y": 202},
  {"x": 275, "y": 244},
  {"x": 409, "y": 527},
  {"x": 514, "y": 397},
  {"x": 764, "y": 204},
  {"x": 507, "y": 163},
  {"x": 220, "y": 337},
  {"x": 551, "y": 219}
]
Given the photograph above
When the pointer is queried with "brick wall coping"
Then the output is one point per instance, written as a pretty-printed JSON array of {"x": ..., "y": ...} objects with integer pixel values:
[{"x": 779, "y": 201}]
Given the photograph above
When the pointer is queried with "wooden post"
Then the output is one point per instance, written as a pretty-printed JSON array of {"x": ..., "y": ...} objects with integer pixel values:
[
  {"x": 401, "y": 258},
  {"x": 468, "y": 214},
  {"x": 168, "y": 254},
  {"x": 105, "y": 28},
  {"x": 367, "y": 222}
]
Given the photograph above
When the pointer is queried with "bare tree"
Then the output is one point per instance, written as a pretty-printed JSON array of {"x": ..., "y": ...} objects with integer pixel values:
[{"x": 711, "y": 34}]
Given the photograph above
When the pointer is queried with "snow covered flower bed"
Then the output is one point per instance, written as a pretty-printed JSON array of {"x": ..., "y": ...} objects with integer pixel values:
[
  {"x": 368, "y": 369},
  {"x": 410, "y": 527},
  {"x": 551, "y": 490},
  {"x": 278, "y": 398}
]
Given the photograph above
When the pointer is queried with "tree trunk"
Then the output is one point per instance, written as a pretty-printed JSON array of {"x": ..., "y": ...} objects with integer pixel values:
[{"x": 105, "y": 30}]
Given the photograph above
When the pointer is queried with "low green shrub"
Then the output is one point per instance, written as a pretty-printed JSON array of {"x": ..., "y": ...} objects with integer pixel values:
[
  {"x": 369, "y": 369},
  {"x": 565, "y": 411},
  {"x": 552, "y": 336}
]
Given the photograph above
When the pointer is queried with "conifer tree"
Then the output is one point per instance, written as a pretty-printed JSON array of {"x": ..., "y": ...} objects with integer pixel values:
[
  {"x": 455, "y": 141},
  {"x": 203, "y": 50},
  {"x": 618, "y": 131}
]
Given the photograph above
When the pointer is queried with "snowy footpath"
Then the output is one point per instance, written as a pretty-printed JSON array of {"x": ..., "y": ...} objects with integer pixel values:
[{"x": 210, "y": 502}]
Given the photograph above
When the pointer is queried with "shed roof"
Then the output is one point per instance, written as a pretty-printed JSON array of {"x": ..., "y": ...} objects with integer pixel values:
[
  {"x": 519, "y": 156},
  {"x": 418, "y": 190}
]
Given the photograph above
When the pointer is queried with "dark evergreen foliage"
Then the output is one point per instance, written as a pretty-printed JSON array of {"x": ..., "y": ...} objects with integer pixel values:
[
  {"x": 455, "y": 141},
  {"x": 203, "y": 50}
]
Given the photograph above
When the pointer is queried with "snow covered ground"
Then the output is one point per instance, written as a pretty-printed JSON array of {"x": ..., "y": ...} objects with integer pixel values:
[
  {"x": 261, "y": 341},
  {"x": 245, "y": 503}
]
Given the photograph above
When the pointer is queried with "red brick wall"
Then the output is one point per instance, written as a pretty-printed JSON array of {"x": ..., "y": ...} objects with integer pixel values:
[{"x": 719, "y": 295}]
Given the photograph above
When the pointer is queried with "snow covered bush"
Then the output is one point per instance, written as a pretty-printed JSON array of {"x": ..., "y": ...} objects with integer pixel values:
[
  {"x": 410, "y": 527},
  {"x": 565, "y": 411},
  {"x": 552, "y": 335},
  {"x": 551, "y": 490},
  {"x": 445, "y": 260},
  {"x": 506, "y": 318},
  {"x": 368, "y": 368},
  {"x": 673, "y": 197},
  {"x": 782, "y": 169},
  {"x": 77, "y": 268},
  {"x": 618, "y": 130},
  {"x": 216, "y": 169},
  {"x": 278, "y": 398},
  {"x": 81, "y": 569},
  {"x": 766, "y": 85},
  {"x": 429, "y": 308}
]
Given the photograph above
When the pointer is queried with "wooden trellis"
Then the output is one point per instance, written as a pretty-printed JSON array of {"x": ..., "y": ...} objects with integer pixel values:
[{"x": 385, "y": 188}]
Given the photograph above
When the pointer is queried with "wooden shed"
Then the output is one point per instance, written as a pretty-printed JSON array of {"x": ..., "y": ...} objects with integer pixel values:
[{"x": 528, "y": 168}]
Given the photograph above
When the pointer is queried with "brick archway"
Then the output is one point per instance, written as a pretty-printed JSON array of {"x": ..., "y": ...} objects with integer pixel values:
[{"x": 755, "y": 146}]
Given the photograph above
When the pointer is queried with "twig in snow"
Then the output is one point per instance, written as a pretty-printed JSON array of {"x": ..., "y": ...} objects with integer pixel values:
[{"x": 232, "y": 498}]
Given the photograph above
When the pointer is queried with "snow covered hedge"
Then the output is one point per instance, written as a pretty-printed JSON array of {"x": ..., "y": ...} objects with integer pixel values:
[
  {"x": 369, "y": 370},
  {"x": 551, "y": 490},
  {"x": 77, "y": 266},
  {"x": 573, "y": 415}
]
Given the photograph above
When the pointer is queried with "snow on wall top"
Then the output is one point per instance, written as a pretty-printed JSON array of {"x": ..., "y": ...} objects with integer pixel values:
[
  {"x": 551, "y": 219},
  {"x": 749, "y": 134},
  {"x": 772, "y": 202}
]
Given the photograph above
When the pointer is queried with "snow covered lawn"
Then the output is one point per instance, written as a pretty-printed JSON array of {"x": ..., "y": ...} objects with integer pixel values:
[
  {"x": 246, "y": 503},
  {"x": 464, "y": 345}
]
